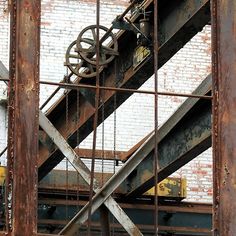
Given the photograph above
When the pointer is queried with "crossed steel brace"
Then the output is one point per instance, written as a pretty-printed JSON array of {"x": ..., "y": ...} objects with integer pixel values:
[{"x": 102, "y": 195}]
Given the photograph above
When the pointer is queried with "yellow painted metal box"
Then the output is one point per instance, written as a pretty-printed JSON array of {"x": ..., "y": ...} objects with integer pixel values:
[{"x": 170, "y": 187}]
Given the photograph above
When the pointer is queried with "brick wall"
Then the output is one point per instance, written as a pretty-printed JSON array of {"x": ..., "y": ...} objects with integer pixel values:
[
  {"x": 4, "y": 24},
  {"x": 61, "y": 22},
  {"x": 3, "y": 131}
]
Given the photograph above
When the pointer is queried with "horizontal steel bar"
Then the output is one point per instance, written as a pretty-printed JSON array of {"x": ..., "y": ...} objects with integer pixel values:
[
  {"x": 165, "y": 206},
  {"x": 183, "y": 218},
  {"x": 118, "y": 231},
  {"x": 55, "y": 92},
  {"x": 101, "y": 154},
  {"x": 77, "y": 86}
]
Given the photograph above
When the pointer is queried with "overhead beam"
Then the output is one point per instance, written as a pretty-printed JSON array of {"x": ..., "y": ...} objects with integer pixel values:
[
  {"x": 101, "y": 154},
  {"x": 181, "y": 219},
  {"x": 56, "y": 182},
  {"x": 182, "y": 137},
  {"x": 224, "y": 116},
  {"x": 83, "y": 170},
  {"x": 175, "y": 20},
  {"x": 23, "y": 118}
]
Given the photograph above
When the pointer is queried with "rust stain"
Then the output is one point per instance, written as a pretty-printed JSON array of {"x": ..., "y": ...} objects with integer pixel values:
[
  {"x": 226, "y": 174},
  {"x": 146, "y": 176}
]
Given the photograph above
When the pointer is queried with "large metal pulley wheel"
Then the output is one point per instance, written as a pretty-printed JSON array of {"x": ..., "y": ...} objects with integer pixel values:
[
  {"x": 87, "y": 46},
  {"x": 78, "y": 65}
]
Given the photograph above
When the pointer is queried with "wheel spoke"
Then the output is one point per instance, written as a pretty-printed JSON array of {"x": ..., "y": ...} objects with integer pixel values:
[
  {"x": 82, "y": 49},
  {"x": 86, "y": 46},
  {"x": 94, "y": 35},
  {"x": 109, "y": 51},
  {"x": 102, "y": 58},
  {"x": 90, "y": 67},
  {"x": 87, "y": 50},
  {"x": 77, "y": 69},
  {"x": 79, "y": 65},
  {"x": 77, "y": 56},
  {"x": 105, "y": 37}
]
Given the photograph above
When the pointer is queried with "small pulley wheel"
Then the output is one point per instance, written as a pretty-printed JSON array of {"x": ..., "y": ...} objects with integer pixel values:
[
  {"x": 78, "y": 65},
  {"x": 86, "y": 45}
]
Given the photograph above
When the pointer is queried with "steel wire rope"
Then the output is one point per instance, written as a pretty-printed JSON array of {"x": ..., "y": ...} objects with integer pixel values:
[
  {"x": 95, "y": 122},
  {"x": 156, "y": 163},
  {"x": 67, "y": 128},
  {"x": 114, "y": 138},
  {"x": 77, "y": 146},
  {"x": 103, "y": 131},
  {"x": 103, "y": 139}
]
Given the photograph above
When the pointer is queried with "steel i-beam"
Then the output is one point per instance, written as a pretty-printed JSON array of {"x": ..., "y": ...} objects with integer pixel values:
[
  {"x": 224, "y": 116},
  {"x": 182, "y": 137},
  {"x": 23, "y": 118}
]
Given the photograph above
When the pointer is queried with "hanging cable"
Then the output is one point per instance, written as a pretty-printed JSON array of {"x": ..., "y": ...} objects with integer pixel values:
[
  {"x": 115, "y": 106},
  {"x": 103, "y": 212},
  {"x": 95, "y": 122},
  {"x": 67, "y": 128},
  {"x": 156, "y": 164},
  {"x": 103, "y": 131},
  {"x": 114, "y": 138},
  {"x": 77, "y": 144}
]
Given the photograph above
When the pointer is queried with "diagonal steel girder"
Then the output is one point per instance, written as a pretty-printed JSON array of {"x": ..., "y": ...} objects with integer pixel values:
[
  {"x": 82, "y": 169},
  {"x": 108, "y": 188},
  {"x": 186, "y": 134},
  {"x": 179, "y": 22}
]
